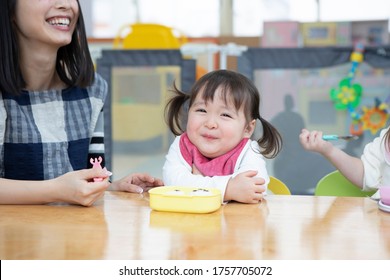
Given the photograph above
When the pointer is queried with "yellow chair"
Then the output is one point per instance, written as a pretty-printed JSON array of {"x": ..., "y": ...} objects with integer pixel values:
[
  {"x": 335, "y": 184},
  {"x": 276, "y": 186},
  {"x": 148, "y": 36}
]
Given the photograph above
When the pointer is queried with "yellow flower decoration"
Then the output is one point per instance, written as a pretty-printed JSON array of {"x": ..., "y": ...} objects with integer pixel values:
[{"x": 374, "y": 119}]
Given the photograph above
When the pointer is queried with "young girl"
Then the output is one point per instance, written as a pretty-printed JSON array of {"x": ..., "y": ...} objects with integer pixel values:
[
  {"x": 51, "y": 101},
  {"x": 368, "y": 172},
  {"x": 215, "y": 150}
]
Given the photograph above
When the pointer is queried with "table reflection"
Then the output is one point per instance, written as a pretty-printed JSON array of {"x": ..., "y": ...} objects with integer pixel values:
[
  {"x": 122, "y": 226},
  {"x": 53, "y": 232}
]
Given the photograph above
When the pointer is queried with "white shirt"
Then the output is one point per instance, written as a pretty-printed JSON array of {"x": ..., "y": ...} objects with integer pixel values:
[
  {"x": 177, "y": 172},
  {"x": 376, "y": 162}
]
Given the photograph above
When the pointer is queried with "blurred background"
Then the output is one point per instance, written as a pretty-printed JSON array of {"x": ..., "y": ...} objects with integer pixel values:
[
  {"x": 296, "y": 51},
  {"x": 204, "y": 18}
]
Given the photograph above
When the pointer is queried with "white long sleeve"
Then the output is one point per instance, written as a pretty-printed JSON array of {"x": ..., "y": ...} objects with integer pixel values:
[
  {"x": 376, "y": 163},
  {"x": 177, "y": 172}
]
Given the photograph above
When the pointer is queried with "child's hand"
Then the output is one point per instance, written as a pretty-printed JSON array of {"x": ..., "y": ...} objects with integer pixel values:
[
  {"x": 136, "y": 183},
  {"x": 245, "y": 188},
  {"x": 312, "y": 141},
  {"x": 77, "y": 187}
]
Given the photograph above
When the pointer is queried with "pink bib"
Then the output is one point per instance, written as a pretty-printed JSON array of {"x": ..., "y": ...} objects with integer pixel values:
[{"x": 222, "y": 165}]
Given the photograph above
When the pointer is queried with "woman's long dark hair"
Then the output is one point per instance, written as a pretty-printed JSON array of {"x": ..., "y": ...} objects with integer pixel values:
[{"x": 74, "y": 63}]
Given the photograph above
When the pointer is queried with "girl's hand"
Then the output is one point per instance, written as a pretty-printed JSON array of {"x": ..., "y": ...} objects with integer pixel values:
[
  {"x": 136, "y": 183},
  {"x": 245, "y": 188},
  {"x": 78, "y": 187},
  {"x": 312, "y": 141}
]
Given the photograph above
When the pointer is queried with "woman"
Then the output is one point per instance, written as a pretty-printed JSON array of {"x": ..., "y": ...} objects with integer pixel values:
[{"x": 51, "y": 101}]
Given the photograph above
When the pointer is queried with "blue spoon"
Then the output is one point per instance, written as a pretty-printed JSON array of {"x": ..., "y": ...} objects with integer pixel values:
[{"x": 337, "y": 137}]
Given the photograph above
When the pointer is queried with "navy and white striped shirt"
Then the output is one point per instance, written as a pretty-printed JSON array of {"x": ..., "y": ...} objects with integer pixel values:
[{"x": 48, "y": 133}]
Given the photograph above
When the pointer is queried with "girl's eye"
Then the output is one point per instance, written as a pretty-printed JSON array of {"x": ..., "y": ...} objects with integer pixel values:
[
  {"x": 200, "y": 110},
  {"x": 226, "y": 115}
]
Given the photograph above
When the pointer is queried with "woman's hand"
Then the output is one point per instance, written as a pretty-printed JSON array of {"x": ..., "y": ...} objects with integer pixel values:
[
  {"x": 78, "y": 187},
  {"x": 136, "y": 183}
]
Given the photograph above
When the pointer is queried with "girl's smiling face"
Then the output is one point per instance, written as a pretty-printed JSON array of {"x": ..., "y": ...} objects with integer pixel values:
[{"x": 215, "y": 127}]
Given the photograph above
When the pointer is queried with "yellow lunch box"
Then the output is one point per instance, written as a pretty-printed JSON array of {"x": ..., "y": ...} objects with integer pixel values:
[{"x": 185, "y": 199}]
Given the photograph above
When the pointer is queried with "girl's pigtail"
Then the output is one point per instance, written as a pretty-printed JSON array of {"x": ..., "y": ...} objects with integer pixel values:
[
  {"x": 271, "y": 142},
  {"x": 174, "y": 110}
]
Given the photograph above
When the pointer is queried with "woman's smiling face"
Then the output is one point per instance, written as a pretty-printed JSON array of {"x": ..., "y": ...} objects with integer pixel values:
[{"x": 46, "y": 21}]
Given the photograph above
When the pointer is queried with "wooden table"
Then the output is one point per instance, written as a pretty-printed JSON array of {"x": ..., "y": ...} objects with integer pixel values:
[{"x": 122, "y": 226}]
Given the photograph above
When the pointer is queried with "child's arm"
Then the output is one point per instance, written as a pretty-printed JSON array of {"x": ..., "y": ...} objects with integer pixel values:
[
  {"x": 241, "y": 186},
  {"x": 245, "y": 187},
  {"x": 250, "y": 179},
  {"x": 252, "y": 160},
  {"x": 137, "y": 183},
  {"x": 351, "y": 167}
]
